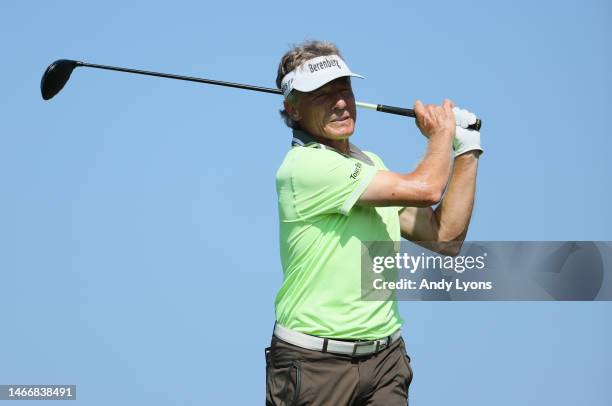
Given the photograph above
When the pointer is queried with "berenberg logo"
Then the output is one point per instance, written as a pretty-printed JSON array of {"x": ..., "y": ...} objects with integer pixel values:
[
  {"x": 327, "y": 63},
  {"x": 357, "y": 170}
]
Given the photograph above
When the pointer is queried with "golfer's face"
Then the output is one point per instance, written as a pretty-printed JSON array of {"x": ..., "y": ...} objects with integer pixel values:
[{"x": 329, "y": 111}]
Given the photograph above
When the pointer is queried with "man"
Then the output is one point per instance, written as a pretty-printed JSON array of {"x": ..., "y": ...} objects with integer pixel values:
[{"x": 329, "y": 347}]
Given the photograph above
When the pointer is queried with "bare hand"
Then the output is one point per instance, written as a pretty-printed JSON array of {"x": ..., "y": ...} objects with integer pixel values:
[{"x": 435, "y": 121}]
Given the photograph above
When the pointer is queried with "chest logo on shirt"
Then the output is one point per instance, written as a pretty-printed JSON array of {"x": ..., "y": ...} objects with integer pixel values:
[{"x": 357, "y": 170}]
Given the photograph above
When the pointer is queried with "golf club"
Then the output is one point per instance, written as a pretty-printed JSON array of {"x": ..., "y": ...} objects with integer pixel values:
[{"x": 58, "y": 73}]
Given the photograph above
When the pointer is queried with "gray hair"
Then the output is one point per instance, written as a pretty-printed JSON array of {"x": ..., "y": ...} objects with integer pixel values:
[{"x": 293, "y": 58}]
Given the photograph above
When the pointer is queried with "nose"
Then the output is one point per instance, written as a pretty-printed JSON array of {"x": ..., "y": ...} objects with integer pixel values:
[{"x": 342, "y": 100}]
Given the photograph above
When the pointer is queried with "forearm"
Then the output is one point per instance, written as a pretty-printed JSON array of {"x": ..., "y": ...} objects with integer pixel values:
[
  {"x": 435, "y": 168},
  {"x": 423, "y": 187},
  {"x": 455, "y": 210}
]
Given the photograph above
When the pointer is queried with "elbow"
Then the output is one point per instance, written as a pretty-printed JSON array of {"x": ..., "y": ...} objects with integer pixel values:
[
  {"x": 431, "y": 191},
  {"x": 447, "y": 248},
  {"x": 433, "y": 196},
  {"x": 430, "y": 186},
  {"x": 430, "y": 195},
  {"x": 425, "y": 197},
  {"x": 450, "y": 244},
  {"x": 417, "y": 190},
  {"x": 450, "y": 248}
]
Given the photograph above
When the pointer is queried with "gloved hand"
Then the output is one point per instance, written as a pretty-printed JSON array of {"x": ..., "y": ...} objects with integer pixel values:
[{"x": 465, "y": 140}]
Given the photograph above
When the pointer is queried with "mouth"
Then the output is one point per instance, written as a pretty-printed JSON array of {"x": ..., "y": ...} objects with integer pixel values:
[{"x": 342, "y": 118}]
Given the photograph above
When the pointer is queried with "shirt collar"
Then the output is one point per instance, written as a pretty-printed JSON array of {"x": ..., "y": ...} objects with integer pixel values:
[{"x": 302, "y": 139}]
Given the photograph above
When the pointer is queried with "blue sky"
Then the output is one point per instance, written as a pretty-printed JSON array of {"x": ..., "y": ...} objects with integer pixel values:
[{"x": 138, "y": 218}]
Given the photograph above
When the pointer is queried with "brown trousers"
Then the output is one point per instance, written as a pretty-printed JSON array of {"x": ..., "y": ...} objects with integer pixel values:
[{"x": 298, "y": 376}]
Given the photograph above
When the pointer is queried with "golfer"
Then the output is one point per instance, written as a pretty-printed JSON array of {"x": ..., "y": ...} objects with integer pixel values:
[{"x": 329, "y": 347}]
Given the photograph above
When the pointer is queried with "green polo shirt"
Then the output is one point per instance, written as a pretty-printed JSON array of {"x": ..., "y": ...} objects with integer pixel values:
[{"x": 321, "y": 230}]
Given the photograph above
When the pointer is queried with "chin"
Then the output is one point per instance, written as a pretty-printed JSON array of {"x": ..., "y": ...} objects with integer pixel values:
[{"x": 342, "y": 132}]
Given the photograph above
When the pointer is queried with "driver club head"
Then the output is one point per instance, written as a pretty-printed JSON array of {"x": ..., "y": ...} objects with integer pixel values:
[{"x": 56, "y": 76}]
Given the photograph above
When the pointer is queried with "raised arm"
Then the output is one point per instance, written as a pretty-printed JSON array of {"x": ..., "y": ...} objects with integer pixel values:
[
  {"x": 425, "y": 185},
  {"x": 444, "y": 229}
]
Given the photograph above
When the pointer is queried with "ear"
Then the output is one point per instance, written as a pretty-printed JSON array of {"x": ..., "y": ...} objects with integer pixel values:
[{"x": 292, "y": 111}]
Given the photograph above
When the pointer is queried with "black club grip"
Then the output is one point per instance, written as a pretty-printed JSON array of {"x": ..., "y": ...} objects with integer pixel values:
[{"x": 400, "y": 111}]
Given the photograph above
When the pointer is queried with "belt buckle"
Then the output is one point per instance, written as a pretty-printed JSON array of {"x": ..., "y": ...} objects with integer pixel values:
[
  {"x": 363, "y": 344},
  {"x": 381, "y": 345}
]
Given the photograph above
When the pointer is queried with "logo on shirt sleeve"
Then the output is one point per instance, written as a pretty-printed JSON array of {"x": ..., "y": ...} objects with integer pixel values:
[{"x": 357, "y": 170}]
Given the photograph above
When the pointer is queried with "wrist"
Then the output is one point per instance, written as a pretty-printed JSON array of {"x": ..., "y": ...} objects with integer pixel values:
[
  {"x": 444, "y": 135},
  {"x": 468, "y": 156}
]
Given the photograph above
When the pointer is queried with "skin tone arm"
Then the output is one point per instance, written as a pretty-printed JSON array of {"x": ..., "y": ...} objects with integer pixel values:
[
  {"x": 425, "y": 185},
  {"x": 444, "y": 229}
]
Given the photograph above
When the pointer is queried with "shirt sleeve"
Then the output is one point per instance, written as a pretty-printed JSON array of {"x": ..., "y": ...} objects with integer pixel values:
[{"x": 326, "y": 182}]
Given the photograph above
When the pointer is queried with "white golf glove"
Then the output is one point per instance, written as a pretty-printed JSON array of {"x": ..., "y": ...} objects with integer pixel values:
[{"x": 465, "y": 140}]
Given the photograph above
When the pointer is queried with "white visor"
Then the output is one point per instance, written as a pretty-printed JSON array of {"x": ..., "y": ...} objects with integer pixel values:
[{"x": 314, "y": 73}]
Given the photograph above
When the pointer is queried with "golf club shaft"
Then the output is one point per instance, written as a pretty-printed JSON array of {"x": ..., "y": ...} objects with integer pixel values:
[
  {"x": 180, "y": 77},
  {"x": 378, "y": 107},
  {"x": 387, "y": 109}
]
